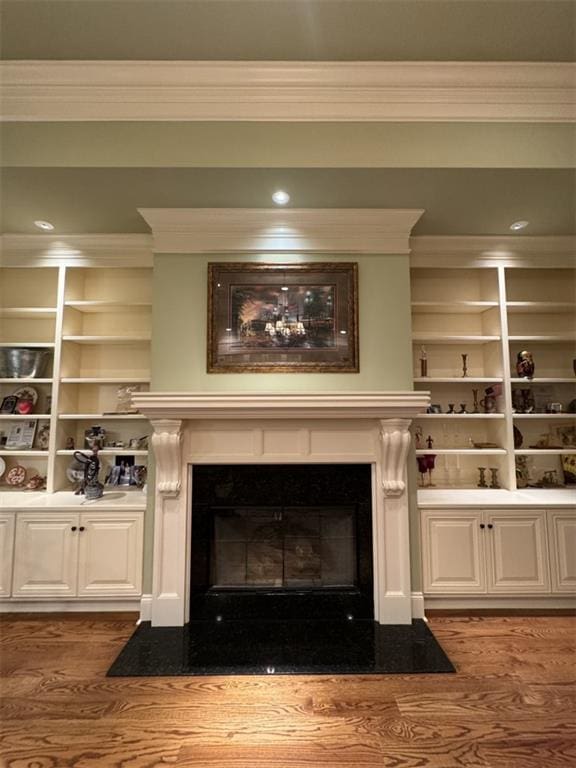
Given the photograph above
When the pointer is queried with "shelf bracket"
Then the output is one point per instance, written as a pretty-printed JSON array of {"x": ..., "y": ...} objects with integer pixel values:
[
  {"x": 395, "y": 439},
  {"x": 166, "y": 442}
]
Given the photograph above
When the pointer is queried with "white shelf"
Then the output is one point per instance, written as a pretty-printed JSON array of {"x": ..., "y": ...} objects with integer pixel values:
[
  {"x": 5, "y": 452},
  {"x": 544, "y": 416},
  {"x": 106, "y": 452},
  {"x": 461, "y": 451},
  {"x": 530, "y": 307},
  {"x": 544, "y": 451},
  {"x": 24, "y": 416},
  {"x": 107, "y": 380},
  {"x": 452, "y": 416},
  {"x": 452, "y": 307},
  {"x": 101, "y": 417},
  {"x": 25, "y": 381},
  {"x": 545, "y": 338},
  {"x": 108, "y": 306},
  {"x": 126, "y": 500},
  {"x": 490, "y": 497},
  {"x": 135, "y": 339},
  {"x": 35, "y": 344},
  {"x": 31, "y": 313},
  {"x": 458, "y": 380},
  {"x": 425, "y": 338},
  {"x": 546, "y": 380}
]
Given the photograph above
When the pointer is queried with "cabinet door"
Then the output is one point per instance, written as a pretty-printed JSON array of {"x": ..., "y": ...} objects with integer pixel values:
[
  {"x": 6, "y": 552},
  {"x": 518, "y": 558},
  {"x": 45, "y": 555},
  {"x": 110, "y": 557},
  {"x": 453, "y": 553},
  {"x": 562, "y": 537}
]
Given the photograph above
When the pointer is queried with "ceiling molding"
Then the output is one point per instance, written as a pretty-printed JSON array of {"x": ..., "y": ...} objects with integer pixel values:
[
  {"x": 492, "y": 250},
  {"x": 76, "y": 250},
  {"x": 288, "y": 91},
  {"x": 274, "y": 230}
]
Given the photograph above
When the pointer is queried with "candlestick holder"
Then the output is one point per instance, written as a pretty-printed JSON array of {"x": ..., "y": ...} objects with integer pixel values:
[
  {"x": 464, "y": 365},
  {"x": 476, "y": 403},
  {"x": 494, "y": 482},
  {"x": 482, "y": 479}
]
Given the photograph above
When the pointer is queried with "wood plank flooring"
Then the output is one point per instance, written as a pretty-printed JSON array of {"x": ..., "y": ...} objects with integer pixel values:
[{"x": 511, "y": 705}]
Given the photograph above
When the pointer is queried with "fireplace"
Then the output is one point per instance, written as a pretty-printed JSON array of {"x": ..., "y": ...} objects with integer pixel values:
[
  {"x": 291, "y": 539},
  {"x": 342, "y": 429}
]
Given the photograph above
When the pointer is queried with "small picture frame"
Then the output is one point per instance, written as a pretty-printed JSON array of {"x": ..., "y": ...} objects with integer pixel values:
[
  {"x": 21, "y": 436},
  {"x": 9, "y": 404}
]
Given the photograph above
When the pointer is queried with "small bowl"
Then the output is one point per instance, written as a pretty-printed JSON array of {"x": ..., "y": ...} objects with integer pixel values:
[{"x": 23, "y": 362}]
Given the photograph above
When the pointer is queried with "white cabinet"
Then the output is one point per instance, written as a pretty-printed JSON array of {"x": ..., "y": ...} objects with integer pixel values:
[
  {"x": 562, "y": 533},
  {"x": 110, "y": 555},
  {"x": 78, "y": 554},
  {"x": 6, "y": 552},
  {"x": 517, "y": 552},
  {"x": 453, "y": 557},
  {"x": 473, "y": 552},
  {"x": 45, "y": 555}
]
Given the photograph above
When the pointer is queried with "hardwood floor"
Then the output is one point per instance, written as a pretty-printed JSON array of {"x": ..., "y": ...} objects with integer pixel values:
[{"x": 512, "y": 704}]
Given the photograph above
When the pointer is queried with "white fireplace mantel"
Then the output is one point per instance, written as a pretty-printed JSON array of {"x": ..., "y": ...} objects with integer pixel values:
[{"x": 236, "y": 428}]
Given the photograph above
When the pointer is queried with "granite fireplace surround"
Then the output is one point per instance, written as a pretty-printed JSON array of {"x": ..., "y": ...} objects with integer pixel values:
[{"x": 280, "y": 429}]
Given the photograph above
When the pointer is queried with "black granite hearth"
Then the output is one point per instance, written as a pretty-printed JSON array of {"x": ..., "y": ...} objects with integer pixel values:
[{"x": 305, "y": 647}]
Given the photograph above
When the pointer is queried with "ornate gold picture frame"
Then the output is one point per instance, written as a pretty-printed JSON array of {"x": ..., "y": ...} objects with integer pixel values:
[{"x": 283, "y": 318}]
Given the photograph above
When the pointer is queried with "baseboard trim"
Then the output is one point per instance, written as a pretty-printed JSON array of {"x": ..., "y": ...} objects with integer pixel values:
[
  {"x": 146, "y": 608},
  {"x": 418, "y": 609},
  {"x": 499, "y": 603},
  {"x": 64, "y": 606}
]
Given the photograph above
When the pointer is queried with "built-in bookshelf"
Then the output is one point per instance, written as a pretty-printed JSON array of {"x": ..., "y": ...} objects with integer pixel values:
[
  {"x": 469, "y": 324},
  {"x": 96, "y": 323}
]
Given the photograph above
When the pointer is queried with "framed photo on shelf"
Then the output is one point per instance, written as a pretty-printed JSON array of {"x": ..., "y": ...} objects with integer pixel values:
[
  {"x": 9, "y": 404},
  {"x": 21, "y": 436},
  {"x": 283, "y": 318}
]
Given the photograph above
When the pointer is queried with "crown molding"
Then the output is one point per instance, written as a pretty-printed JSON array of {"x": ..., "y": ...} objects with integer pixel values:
[
  {"x": 288, "y": 91},
  {"x": 493, "y": 250},
  {"x": 76, "y": 250},
  {"x": 273, "y": 230}
]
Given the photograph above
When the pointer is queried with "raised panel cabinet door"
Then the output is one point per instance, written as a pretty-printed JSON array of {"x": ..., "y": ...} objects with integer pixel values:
[
  {"x": 45, "y": 555},
  {"x": 562, "y": 540},
  {"x": 453, "y": 553},
  {"x": 6, "y": 552},
  {"x": 517, "y": 553},
  {"x": 110, "y": 557}
]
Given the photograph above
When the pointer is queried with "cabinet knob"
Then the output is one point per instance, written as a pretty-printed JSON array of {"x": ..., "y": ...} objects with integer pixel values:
[
  {"x": 482, "y": 526},
  {"x": 82, "y": 528},
  {"x": 74, "y": 528},
  {"x": 489, "y": 526}
]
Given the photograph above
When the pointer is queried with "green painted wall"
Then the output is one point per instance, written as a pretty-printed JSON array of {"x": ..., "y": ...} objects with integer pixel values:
[
  {"x": 179, "y": 343},
  {"x": 179, "y": 330}
]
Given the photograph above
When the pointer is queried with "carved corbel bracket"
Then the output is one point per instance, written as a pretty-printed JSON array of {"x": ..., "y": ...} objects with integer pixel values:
[
  {"x": 166, "y": 442},
  {"x": 395, "y": 442}
]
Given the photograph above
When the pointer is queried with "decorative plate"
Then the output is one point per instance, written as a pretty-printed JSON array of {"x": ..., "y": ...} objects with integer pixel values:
[
  {"x": 16, "y": 476},
  {"x": 2, "y": 466},
  {"x": 26, "y": 393}
]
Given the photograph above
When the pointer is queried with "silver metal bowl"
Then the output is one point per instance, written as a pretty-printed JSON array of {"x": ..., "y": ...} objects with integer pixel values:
[{"x": 23, "y": 362}]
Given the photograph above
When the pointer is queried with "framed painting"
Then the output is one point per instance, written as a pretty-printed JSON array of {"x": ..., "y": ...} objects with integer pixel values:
[{"x": 283, "y": 318}]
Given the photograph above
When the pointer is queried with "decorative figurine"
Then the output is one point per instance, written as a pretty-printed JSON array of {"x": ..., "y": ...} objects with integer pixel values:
[
  {"x": 450, "y": 408},
  {"x": 91, "y": 487},
  {"x": 69, "y": 444},
  {"x": 95, "y": 437},
  {"x": 429, "y": 442},
  {"x": 462, "y": 408},
  {"x": 418, "y": 437},
  {"x": 488, "y": 403},
  {"x": 476, "y": 403},
  {"x": 525, "y": 365},
  {"x": 464, "y": 365},
  {"x": 36, "y": 483},
  {"x": 482, "y": 479},
  {"x": 423, "y": 362},
  {"x": 124, "y": 396},
  {"x": 522, "y": 472},
  {"x": 494, "y": 482}
]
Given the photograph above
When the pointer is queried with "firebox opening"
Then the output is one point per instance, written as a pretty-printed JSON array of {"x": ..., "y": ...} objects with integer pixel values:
[{"x": 271, "y": 541}]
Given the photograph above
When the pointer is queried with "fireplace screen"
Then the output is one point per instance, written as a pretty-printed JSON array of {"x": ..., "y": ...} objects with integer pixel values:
[{"x": 283, "y": 547}]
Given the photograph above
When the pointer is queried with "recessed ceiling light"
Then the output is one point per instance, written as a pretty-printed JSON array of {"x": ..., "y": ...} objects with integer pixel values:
[
  {"x": 517, "y": 225},
  {"x": 280, "y": 197},
  {"x": 45, "y": 225}
]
